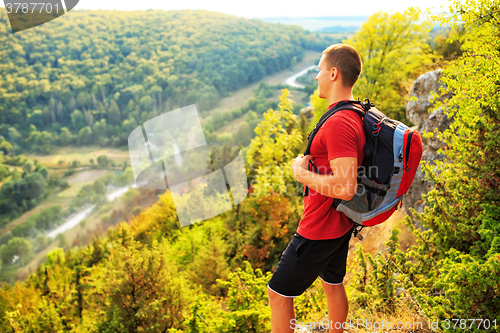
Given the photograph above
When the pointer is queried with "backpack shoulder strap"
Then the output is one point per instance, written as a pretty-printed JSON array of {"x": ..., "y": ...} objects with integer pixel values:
[
  {"x": 343, "y": 105},
  {"x": 355, "y": 109}
]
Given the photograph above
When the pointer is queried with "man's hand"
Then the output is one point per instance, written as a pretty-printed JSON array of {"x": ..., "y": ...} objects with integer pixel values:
[
  {"x": 300, "y": 165},
  {"x": 341, "y": 184}
]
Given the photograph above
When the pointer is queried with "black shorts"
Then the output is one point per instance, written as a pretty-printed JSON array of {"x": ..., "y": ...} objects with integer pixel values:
[{"x": 304, "y": 260}]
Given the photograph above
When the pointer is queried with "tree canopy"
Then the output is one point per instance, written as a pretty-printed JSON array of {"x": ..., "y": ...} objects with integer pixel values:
[
  {"x": 98, "y": 74},
  {"x": 393, "y": 48}
]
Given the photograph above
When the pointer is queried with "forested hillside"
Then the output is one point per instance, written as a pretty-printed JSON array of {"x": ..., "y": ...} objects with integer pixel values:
[
  {"x": 150, "y": 275},
  {"x": 93, "y": 76}
]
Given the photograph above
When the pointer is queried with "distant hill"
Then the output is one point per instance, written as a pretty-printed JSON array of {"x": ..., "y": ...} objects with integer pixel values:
[
  {"x": 319, "y": 23},
  {"x": 339, "y": 29},
  {"x": 91, "y": 77}
]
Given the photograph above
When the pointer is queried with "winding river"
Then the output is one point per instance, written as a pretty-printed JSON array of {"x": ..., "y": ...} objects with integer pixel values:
[
  {"x": 74, "y": 220},
  {"x": 291, "y": 81}
]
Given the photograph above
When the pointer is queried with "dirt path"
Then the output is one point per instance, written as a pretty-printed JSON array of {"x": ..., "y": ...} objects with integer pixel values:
[{"x": 86, "y": 176}]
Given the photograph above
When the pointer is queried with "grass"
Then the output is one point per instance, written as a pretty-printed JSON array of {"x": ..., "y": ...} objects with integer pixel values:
[
  {"x": 73, "y": 190},
  {"x": 87, "y": 176},
  {"x": 78, "y": 180},
  {"x": 63, "y": 157}
]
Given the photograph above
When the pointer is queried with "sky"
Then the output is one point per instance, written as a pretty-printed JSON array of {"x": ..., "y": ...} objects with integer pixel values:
[{"x": 271, "y": 8}]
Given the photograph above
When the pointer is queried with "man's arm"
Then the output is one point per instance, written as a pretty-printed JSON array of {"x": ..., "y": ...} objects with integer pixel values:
[{"x": 341, "y": 185}]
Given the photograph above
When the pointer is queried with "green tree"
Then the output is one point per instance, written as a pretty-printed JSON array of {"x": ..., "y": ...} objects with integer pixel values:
[
  {"x": 99, "y": 128},
  {"x": 26, "y": 229},
  {"x": 17, "y": 250},
  {"x": 41, "y": 142},
  {"x": 77, "y": 120},
  {"x": 243, "y": 135},
  {"x": 36, "y": 118},
  {"x": 66, "y": 137},
  {"x": 85, "y": 136},
  {"x": 54, "y": 78},
  {"x": 14, "y": 135},
  {"x": 447, "y": 45},
  {"x": 99, "y": 187},
  {"x": 21, "y": 192},
  {"x": 393, "y": 48},
  {"x": 145, "y": 292},
  {"x": 28, "y": 167},
  {"x": 5, "y": 146},
  {"x": 103, "y": 161},
  {"x": 466, "y": 180},
  {"x": 4, "y": 171},
  {"x": 275, "y": 146},
  {"x": 146, "y": 103},
  {"x": 247, "y": 309},
  {"x": 114, "y": 114}
]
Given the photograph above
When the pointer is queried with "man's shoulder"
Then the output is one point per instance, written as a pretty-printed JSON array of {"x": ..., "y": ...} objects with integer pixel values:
[{"x": 344, "y": 118}]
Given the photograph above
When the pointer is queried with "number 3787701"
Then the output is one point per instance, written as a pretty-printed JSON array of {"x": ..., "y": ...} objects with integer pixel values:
[
  {"x": 32, "y": 7},
  {"x": 470, "y": 324}
]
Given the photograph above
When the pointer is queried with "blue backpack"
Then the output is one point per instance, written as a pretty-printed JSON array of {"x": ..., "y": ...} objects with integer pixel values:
[{"x": 392, "y": 155}]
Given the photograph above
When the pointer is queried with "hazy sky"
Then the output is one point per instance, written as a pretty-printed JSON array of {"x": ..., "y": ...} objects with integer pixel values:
[{"x": 267, "y": 8}]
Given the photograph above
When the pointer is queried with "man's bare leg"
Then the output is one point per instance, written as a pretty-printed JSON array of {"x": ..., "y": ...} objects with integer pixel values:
[
  {"x": 282, "y": 312},
  {"x": 338, "y": 305}
]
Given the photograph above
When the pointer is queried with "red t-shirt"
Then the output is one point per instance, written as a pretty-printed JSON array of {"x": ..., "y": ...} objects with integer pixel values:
[{"x": 342, "y": 135}]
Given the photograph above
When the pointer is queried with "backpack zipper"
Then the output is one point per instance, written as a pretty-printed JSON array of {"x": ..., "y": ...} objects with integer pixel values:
[{"x": 407, "y": 152}]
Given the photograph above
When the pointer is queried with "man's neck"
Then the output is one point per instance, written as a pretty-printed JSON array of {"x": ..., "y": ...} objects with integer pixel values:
[{"x": 340, "y": 95}]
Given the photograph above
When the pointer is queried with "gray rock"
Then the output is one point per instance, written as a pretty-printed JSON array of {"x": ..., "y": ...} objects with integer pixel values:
[
  {"x": 417, "y": 111},
  {"x": 307, "y": 112}
]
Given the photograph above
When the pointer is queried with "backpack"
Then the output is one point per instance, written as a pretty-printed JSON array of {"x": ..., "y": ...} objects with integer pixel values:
[{"x": 392, "y": 155}]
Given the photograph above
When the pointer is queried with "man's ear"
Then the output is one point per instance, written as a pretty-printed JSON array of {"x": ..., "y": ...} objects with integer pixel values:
[{"x": 334, "y": 74}]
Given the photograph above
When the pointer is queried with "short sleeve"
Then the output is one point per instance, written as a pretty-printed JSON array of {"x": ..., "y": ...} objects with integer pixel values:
[{"x": 340, "y": 137}]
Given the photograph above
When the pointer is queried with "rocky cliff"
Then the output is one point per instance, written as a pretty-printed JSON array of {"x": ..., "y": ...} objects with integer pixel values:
[{"x": 417, "y": 111}]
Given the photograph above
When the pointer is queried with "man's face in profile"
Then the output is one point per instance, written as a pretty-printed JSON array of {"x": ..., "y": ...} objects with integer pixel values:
[{"x": 323, "y": 77}]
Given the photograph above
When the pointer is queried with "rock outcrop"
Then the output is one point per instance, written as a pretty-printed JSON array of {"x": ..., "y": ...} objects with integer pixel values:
[
  {"x": 307, "y": 112},
  {"x": 417, "y": 111}
]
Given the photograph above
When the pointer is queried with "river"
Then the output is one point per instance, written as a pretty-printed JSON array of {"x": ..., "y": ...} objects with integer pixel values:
[
  {"x": 291, "y": 81},
  {"x": 74, "y": 220}
]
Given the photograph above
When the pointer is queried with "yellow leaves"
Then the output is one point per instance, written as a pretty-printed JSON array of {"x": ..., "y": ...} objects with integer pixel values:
[
  {"x": 56, "y": 257},
  {"x": 393, "y": 47},
  {"x": 271, "y": 152},
  {"x": 320, "y": 106},
  {"x": 285, "y": 103}
]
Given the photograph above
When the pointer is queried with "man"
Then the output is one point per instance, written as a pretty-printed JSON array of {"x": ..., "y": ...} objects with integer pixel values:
[{"x": 320, "y": 246}]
